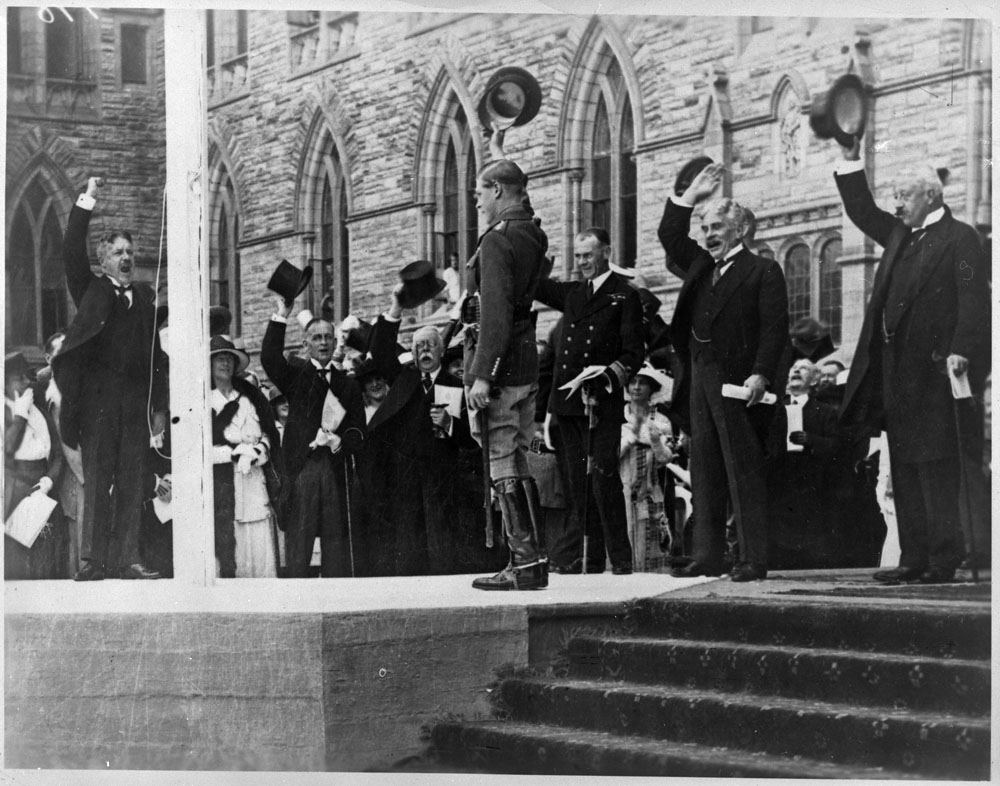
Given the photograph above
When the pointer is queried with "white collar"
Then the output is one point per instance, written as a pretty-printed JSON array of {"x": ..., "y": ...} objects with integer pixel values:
[
  {"x": 799, "y": 398},
  {"x": 598, "y": 282},
  {"x": 328, "y": 366},
  {"x": 433, "y": 374},
  {"x": 932, "y": 218}
]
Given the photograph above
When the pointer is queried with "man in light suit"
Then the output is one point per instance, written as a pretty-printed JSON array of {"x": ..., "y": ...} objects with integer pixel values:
[
  {"x": 111, "y": 372},
  {"x": 602, "y": 326},
  {"x": 928, "y": 320},
  {"x": 730, "y": 325},
  {"x": 326, "y": 426}
]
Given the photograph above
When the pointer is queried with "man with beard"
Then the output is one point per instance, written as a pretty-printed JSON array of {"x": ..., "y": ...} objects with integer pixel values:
[
  {"x": 111, "y": 373},
  {"x": 927, "y": 323},
  {"x": 730, "y": 326},
  {"x": 410, "y": 471}
]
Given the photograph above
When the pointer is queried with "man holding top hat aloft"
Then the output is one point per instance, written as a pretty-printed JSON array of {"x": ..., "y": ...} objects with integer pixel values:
[
  {"x": 924, "y": 338},
  {"x": 326, "y": 425},
  {"x": 501, "y": 364}
]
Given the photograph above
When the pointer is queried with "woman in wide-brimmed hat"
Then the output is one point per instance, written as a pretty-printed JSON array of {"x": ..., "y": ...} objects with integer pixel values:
[
  {"x": 245, "y": 445},
  {"x": 645, "y": 451}
]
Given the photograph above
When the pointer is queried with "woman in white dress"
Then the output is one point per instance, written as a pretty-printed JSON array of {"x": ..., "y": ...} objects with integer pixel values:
[
  {"x": 645, "y": 452},
  {"x": 245, "y": 441}
]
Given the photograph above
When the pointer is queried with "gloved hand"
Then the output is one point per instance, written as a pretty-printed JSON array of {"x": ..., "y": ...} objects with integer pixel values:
[
  {"x": 22, "y": 404},
  {"x": 800, "y": 438},
  {"x": 222, "y": 454},
  {"x": 599, "y": 387},
  {"x": 44, "y": 484}
]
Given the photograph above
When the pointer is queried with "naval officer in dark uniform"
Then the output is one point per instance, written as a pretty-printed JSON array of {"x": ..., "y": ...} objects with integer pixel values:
[
  {"x": 501, "y": 364},
  {"x": 602, "y": 326}
]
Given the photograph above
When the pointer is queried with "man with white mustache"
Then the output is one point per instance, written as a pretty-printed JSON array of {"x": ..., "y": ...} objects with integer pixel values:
[{"x": 730, "y": 326}]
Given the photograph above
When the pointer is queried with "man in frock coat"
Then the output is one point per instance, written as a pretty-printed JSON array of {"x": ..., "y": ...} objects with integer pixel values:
[
  {"x": 928, "y": 320},
  {"x": 601, "y": 326},
  {"x": 730, "y": 325},
  {"x": 326, "y": 426},
  {"x": 112, "y": 373},
  {"x": 412, "y": 469}
]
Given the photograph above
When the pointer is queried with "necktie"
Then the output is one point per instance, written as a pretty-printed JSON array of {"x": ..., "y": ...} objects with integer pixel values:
[
  {"x": 590, "y": 289},
  {"x": 428, "y": 383},
  {"x": 324, "y": 374},
  {"x": 123, "y": 295},
  {"x": 717, "y": 270}
]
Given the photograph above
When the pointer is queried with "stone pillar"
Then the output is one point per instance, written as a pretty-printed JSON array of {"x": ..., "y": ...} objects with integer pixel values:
[{"x": 573, "y": 226}]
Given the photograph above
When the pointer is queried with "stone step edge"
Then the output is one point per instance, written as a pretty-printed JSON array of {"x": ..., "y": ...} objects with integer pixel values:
[
  {"x": 755, "y": 701},
  {"x": 747, "y": 764},
  {"x": 931, "y": 607},
  {"x": 725, "y": 644}
]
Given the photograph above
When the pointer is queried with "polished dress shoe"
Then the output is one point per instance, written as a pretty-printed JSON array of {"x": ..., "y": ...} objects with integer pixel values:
[
  {"x": 747, "y": 571},
  {"x": 89, "y": 572},
  {"x": 693, "y": 569},
  {"x": 900, "y": 575},
  {"x": 138, "y": 571},
  {"x": 575, "y": 567},
  {"x": 936, "y": 575},
  {"x": 621, "y": 570}
]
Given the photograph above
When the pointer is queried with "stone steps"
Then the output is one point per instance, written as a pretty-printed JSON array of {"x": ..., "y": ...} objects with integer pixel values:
[
  {"x": 530, "y": 748},
  {"x": 750, "y": 687},
  {"x": 886, "y": 679}
]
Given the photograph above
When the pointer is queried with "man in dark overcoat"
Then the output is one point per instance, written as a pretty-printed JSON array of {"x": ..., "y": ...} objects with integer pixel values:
[
  {"x": 602, "y": 326},
  {"x": 325, "y": 428},
  {"x": 112, "y": 373},
  {"x": 412, "y": 469},
  {"x": 927, "y": 322},
  {"x": 730, "y": 326},
  {"x": 501, "y": 363}
]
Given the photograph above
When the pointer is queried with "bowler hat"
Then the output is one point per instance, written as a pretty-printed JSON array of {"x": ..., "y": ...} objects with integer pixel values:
[
  {"x": 219, "y": 319},
  {"x": 689, "y": 172},
  {"x": 220, "y": 344},
  {"x": 419, "y": 283},
  {"x": 811, "y": 339},
  {"x": 512, "y": 98},
  {"x": 14, "y": 365},
  {"x": 288, "y": 281},
  {"x": 841, "y": 111}
]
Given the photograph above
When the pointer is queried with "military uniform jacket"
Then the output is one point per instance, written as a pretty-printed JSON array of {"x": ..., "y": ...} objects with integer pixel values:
[
  {"x": 941, "y": 308},
  {"x": 94, "y": 297},
  {"x": 605, "y": 330},
  {"x": 507, "y": 267}
]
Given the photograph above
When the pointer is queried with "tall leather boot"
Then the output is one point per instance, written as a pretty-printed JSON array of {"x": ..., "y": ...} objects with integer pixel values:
[{"x": 528, "y": 568}]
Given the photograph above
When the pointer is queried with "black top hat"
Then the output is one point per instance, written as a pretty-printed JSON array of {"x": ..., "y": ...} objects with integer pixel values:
[
  {"x": 841, "y": 111},
  {"x": 288, "y": 281},
  {"x": 419, "y": 283},
  {"x": 811, "y": 339},
  {"x": 219, "y": 319},
  {"x": 512, "y": 98},
  {"x": 689, "y": 172},
  {"x": 14, "y": 365},
  {"x": 220, "y": 343}
]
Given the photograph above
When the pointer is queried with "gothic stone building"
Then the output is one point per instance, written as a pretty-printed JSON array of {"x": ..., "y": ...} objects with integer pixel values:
[
  {"x": 85, "y": 95},
  {"x": 350, "y": 142}
]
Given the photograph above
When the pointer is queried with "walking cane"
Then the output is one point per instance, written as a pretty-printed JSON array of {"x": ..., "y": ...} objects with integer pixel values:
[
  {"x": 965, "y": 495},
  {"x": 484, "y": 423},
  {"x": 588, "y": 408},
  {"x": 347, "y": 492}
]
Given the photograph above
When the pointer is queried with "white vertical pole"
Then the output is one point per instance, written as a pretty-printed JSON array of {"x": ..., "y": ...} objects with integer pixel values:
[{"x": 187, "y": 145}]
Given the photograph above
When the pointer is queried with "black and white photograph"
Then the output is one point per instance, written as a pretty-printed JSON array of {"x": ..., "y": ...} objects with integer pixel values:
[{"x": 466, "y": 392}]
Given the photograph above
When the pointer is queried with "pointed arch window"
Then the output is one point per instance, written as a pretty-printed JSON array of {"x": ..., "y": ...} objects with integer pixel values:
[
  {"x": 611, "y": 190},
  {"x": 798, "y": 281},
  {"x": 458, "y": 220},
  {"x": 830, "y": 307},
  {"x": 335, "y": 240},
  {"x": 37, "y": 304},
  {"x": 224, "y": 255}
]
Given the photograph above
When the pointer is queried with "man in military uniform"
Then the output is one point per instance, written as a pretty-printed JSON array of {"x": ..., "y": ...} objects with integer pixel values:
[
  {"x": 602, "y": 326},
  {"x": 501, "y": 365}
]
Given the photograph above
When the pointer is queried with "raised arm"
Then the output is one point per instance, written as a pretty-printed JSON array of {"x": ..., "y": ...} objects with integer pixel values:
[{"x": 75, "y": 260}]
